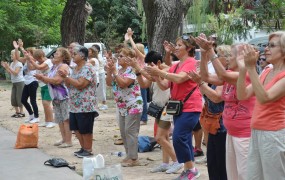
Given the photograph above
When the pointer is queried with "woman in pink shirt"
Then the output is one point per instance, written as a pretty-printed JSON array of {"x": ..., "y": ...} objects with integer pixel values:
[
  {"x": 266, "y": 159},
  {"x": 236, "y": 114}
]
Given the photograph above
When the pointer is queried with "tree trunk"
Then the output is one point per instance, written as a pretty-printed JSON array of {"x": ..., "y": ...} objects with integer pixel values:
[
  {"x": 163, "y": 18},
  {"x": 73, "y": 22}
]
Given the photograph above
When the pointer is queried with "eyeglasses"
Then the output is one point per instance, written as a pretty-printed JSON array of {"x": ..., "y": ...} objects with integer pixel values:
[
  {"x": 272, "y": 45},
  {"x": 262, "y": 59}
]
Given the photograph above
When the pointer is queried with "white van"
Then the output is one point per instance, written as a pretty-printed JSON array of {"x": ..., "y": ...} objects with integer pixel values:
[{"x": 101, "y": 45}]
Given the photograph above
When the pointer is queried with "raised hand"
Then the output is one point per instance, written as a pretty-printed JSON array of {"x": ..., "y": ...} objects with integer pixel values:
[
  {"x": 20, "y": 43},
  {"x": 15, "y": 44},
  {"x": 130, "y": 32},
  {"x": 152, "y": 70},
  {"x": 203, "y": 43},
  {"x": 132, "y": 62},
  {"x": 39, "y": 76},
  {"x": 194, "y": 76},
  {"x": 168, "y": 47},
  {"x": 240, "y": 57},
  {"x": 250, "y": 56},
  {"x": 63, "y": 73}
]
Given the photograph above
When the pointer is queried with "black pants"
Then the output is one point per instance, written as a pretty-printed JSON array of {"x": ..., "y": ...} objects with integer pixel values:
[
  {"x": 216, "y": 156},
  {"x": 30, "y": 90}
]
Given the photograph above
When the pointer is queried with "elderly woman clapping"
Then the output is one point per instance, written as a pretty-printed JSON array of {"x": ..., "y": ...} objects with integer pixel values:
[
  {"x": 266, "y": 159},
  {"x": 82, "y": 102}
]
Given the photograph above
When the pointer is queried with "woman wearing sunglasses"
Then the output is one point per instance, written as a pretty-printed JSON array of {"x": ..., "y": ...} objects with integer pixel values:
[
  {"x": 266, "y": 159},
  {"x": 180, "y": 86}
]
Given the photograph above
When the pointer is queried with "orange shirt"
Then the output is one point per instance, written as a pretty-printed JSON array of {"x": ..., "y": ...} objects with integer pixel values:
[{"x": 269, "y": 116}]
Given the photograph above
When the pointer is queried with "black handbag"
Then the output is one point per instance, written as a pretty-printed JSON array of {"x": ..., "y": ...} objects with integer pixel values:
[
  {"x": 175, "y": 107},
  {"x": 58, "y": 162},
  {"x": 154, "y": 110}
]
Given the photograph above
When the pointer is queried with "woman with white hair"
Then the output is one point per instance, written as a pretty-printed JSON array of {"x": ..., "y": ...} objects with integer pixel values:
[{"x": 266, "y": 159}]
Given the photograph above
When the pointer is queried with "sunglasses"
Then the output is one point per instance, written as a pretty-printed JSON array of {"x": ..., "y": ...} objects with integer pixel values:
[{"x": 262, "y": 59}]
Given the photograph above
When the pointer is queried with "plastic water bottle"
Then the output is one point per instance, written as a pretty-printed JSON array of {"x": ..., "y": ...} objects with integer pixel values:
[{"x": 119, "y": 154}]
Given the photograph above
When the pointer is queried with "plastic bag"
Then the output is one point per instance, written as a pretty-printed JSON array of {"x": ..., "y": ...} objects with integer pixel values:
[
  {"x": 94, "y": 169},
  {"x": 27, "y": 137}
]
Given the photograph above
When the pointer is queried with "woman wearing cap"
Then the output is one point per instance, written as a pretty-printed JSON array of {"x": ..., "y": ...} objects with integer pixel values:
[
  {"x": 266, "y": 159},
  {"x": 180, "y": 86}
]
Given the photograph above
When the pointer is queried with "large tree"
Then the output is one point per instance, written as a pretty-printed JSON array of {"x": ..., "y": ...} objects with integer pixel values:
[
  {"x": 74, "y": 16},
  {"x": 163, "y": 18}
]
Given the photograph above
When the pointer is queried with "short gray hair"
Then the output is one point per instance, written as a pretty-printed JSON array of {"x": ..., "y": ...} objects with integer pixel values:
[{"x": 281, "y": 35}]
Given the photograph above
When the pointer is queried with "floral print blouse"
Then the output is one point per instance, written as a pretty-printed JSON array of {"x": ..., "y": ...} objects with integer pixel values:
[
  {"x": 83, "y": 100},
  {"x": 129, "y": 100}
]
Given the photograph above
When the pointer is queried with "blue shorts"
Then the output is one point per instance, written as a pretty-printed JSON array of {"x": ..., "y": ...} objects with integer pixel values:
[{"x": 82, "y": 122}]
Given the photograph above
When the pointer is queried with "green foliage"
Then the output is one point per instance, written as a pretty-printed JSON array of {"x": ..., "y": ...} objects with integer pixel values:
[
  {"x": 110, "y": 20},
  {"x": 37, "y": 22},
  {"x": 234, "y": 19}
]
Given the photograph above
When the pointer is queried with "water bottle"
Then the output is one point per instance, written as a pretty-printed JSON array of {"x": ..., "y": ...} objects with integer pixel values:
[{"x": 119, "y": 154}]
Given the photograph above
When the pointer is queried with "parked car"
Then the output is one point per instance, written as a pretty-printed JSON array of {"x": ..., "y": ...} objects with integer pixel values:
[{"x": 260, "y": 42}]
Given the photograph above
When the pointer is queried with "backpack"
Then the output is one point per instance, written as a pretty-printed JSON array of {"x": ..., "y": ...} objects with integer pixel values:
[{"x": 146, "y": 144}]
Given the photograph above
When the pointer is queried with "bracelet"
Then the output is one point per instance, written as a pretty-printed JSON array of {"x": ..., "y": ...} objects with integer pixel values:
[
  {"x": 165, "y": 75},
  {"x": 215, "y": 56},
  {"x": 201, "y": 83}
]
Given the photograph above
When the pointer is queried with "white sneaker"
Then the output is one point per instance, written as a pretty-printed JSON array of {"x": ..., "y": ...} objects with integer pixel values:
[
  {"x": 43, "y": 124},
  {"x": 35, "y": 120},
  {"x": 103, "y": 107},
  {"x": 50, "y": 125},
  {"x": 174, "y": 168},
  {"x": 31, "y": 117},
  {"x": 160, "y": 168},
  {"x": 202, "y": 160}
]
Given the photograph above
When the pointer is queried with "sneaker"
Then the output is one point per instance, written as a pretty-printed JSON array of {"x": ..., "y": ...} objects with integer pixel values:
[
  {"x": 103, "y": 107},
  {"x": 191, "y": 175},
  {"x": 31, "y": 117},
  {"x": 174, "y": 168},
  {"x": 43, "y": 124},
  {"x": 35, "y": 120},
  {"x": 84, "y": 153},
  {"x": 198, "y": 152},
  {"x": 202, "y": 160},
  {"x": 161, "y": 168},
  {"x": 80, "y": 151},
  {"x": 181, "y": 176},
  {"x": 50, "y": 125}
]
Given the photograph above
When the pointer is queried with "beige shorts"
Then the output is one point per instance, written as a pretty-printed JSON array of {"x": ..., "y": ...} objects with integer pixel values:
[{"x": 61, "y": 110}]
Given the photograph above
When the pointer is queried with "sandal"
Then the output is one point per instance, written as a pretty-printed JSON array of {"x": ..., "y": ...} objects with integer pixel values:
[{"x": 130, "y": 163}]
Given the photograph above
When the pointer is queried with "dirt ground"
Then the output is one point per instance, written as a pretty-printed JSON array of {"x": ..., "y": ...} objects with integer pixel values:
[{"x": 105, "y": 132}]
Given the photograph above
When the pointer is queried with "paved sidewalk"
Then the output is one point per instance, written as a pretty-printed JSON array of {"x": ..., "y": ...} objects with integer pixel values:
[{"x": 27, "y": 164}]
